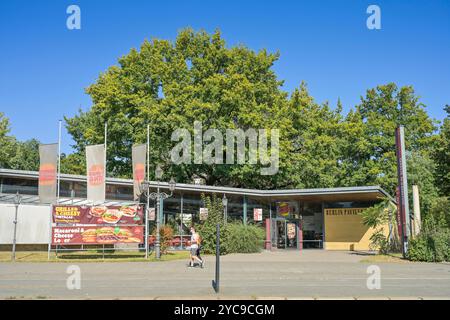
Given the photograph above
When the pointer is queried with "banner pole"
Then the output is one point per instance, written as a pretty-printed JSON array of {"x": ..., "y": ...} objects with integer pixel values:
[
  {"x": 59, "y": 160},
  {"x": 106, "y": 139},
  {"x": 50, "y": 233},
  {"x": 147, "y": 191}
]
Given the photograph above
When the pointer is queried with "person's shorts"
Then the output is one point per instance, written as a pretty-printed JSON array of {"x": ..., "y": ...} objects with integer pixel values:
[{"x": 194, "y": 251}]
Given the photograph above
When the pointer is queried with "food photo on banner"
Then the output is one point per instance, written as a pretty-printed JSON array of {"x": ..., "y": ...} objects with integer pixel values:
[{"x": 97, "y": 224}]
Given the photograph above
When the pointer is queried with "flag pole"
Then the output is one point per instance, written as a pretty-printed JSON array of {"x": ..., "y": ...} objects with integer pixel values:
[
  {"x": 106, "y": 139},
  {"x": 59, "y": 160},
  {"x": 148, "y": 197}
]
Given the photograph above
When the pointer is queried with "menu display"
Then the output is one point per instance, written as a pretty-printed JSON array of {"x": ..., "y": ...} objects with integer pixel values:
[
  {"x": 97, "y": 224},
  {"x": 96, "y": 235},
  {"x": 98, "y": 214}
]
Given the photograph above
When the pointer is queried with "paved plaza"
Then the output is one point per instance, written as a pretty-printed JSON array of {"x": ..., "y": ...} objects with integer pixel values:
[{"x": 309, "y": 274}]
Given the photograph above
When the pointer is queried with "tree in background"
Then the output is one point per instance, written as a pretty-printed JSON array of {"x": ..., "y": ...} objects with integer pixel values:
[
  {"x": 315, "y": 139},
  {"x": 370, "y": 151},
  {"x": 169, "y": 85},
  {"x": 15, "y": 154},
  {"x": 441, "y": 156}
]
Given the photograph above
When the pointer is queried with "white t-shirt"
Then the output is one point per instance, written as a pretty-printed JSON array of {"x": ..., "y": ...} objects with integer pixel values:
[{"x": 194, "y": 239}]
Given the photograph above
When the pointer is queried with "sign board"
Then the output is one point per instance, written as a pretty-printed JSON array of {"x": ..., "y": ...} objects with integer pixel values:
[
  {"x": 257, "y": 214},
  {"x": 203, "y": 214},
  {"x": 97, "y": 215},
  {"x": 96, "y": 235},
  {"x": 343, "y": 211},
  {"x": 283, "y": 209}
]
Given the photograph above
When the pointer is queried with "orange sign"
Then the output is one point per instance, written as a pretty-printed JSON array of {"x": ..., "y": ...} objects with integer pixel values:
[
  {"x": 139, "y": 172},
  {"x": 47, "y": 174},
  {"x": 96, "y": 175}
]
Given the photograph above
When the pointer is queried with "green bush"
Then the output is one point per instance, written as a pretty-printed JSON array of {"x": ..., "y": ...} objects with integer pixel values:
[
  {"x": 243, "y": 238},
  {"x": 432, "y": 244},
  {"x": 235, "y": 237},
  {"x": 207, "y": 230}
]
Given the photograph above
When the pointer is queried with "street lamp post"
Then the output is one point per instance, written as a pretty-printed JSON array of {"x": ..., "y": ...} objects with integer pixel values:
[
  {"x": 225, "y": 213},
  {"x": 158, "y": 196},
  {"x": 17, "y": 200}
]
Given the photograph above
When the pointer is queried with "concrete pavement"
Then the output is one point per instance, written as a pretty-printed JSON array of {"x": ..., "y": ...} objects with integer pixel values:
[{"x": 310, "y": 274}]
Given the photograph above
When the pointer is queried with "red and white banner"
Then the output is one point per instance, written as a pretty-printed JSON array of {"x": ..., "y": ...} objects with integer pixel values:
[
  {"x": 48, "y": 157},
  {"x": 138, "y": 157},
  {"x": 95, "y": 166}
]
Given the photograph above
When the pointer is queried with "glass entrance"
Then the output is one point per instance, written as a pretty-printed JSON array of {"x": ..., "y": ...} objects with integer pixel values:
[{"x": 284, "y": 233}]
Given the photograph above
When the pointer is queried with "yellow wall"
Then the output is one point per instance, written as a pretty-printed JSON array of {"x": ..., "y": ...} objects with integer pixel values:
[{"x": 344, "y": 230}]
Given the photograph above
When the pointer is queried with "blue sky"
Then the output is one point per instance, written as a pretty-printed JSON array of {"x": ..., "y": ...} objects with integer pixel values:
[{"x": 44, "y": 67}]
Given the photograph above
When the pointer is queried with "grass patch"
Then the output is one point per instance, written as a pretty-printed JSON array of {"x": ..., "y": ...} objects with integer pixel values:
[
  {"x": 394, "y": 257},
  {"x": 92, "y": 256}
]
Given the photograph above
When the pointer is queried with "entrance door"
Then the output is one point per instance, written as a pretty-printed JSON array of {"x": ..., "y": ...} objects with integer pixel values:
[{"x": 284, "y": 233}]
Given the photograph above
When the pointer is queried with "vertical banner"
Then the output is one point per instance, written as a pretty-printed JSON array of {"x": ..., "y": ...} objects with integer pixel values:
[
  {"x": 138, "y": 157},
  {"x": 48, "y": 157},
  {"x": 403, "y": 204},
  {"x": 95, "y": 167}
]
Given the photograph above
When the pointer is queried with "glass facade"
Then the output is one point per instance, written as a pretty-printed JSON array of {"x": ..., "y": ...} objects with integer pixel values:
[{"x": 294, "y": 222}]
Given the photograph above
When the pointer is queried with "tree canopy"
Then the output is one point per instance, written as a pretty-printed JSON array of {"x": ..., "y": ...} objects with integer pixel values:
[{"x": 171, "y": 84}]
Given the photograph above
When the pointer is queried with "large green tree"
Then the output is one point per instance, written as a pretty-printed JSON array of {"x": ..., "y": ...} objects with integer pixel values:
[
  {"x": 169, "y": 85},
  {"x": 370, "y": 141},
  {"x": 441, "y": 155},
  {"x": 315, "y": 142},
  {"x": 15, "y": 154}
]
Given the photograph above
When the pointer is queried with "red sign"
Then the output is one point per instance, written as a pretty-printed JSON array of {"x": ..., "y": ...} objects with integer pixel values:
[
  {"x": 96, "y": 235},
  {"x": 98, "y": 215},
  {"x": 257, "y": 214}
]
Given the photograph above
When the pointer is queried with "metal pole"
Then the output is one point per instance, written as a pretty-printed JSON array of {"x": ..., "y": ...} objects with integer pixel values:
[
  {"x": 106, "y": 139},
  {"x": 49, "y": 248},
  {"x": 147, "y": 192},
  {"x": 59, "y": 160},
  {"x": 157, "y": 244},
  {"x": 181, "y": 221},
  {"x": 16, "y": 202},
  {"x": 215, "y": 283}
]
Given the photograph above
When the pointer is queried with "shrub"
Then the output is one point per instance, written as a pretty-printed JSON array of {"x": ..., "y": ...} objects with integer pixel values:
[
  {"x": 235, "y": 237},
  {"x": 166, "y": 236},
  {"x": 207, "y": 230},
  {"x": 432, "y": 244},
  {"x": 244, "y": 238}
]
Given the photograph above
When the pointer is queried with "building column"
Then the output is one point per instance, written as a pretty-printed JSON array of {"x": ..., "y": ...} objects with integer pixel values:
[
  {"x": 324, "y": 245},
  {"x": 244, "y": 209}
]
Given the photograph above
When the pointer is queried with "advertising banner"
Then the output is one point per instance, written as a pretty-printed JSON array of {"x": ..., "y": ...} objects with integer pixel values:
[
  {"x": 97, "y": 235},
  {"x": 95, "y": 167},
  {"x": 139, "y": 158},
  {"x": 98, "y": 215},
  {"x": 257, "y": 214},
  {"x": 48, "y": 157}
]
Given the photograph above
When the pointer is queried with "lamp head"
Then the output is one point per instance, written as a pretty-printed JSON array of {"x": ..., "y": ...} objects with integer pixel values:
[
  {"x": 224, "y": 200},
  {"x": 172, "y": 184}
]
